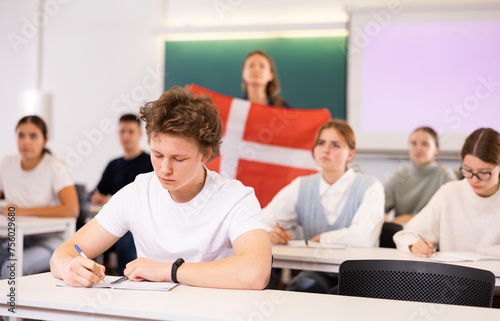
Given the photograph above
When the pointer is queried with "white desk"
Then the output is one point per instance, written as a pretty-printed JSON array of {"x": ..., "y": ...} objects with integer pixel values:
[
  {"x": 39, "y": 298},
  {"x": 35, "y": 226},
  {"x": 329, "y": 260}
]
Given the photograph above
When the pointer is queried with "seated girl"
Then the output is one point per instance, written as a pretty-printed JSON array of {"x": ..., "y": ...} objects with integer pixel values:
[
  {"x": 411, "y": 187},
  {"x": 35, "y": 183},
  {"x": 463, "y": 215},
  {"x": 336, "y": 205}
]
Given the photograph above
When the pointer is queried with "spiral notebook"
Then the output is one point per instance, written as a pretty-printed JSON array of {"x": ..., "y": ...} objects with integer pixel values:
[{"x": 117, "y": 282}]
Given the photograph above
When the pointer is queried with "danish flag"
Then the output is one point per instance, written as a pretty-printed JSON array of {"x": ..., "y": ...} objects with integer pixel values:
[{"x": 264, "y": 147}]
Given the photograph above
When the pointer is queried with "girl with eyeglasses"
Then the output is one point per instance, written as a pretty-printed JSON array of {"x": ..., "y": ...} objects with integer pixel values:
[{"x": 462, "y": 215}]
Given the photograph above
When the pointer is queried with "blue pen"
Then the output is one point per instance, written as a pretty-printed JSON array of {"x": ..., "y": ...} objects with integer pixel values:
[{"x": 83, "y": 255}]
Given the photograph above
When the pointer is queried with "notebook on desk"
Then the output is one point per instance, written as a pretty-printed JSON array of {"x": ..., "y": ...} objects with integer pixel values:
[
  {"x": 117, "y": 282},
  {"x": 302, "y": 243},
  {"x": 461, "y": 257}
]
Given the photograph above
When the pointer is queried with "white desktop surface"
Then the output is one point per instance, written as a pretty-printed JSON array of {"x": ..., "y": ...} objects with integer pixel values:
[
  {"x": 29, "y": 225},
  {"x": 38, "y": 297},
  {"x": 40, "y": 225},
  {"x": 329, "y": 260}
]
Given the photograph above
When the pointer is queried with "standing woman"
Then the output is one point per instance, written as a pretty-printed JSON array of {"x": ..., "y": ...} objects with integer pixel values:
[
  {"x": 410, "y": 188},
  {"x": 260, "y": 82},
  {"x": 336, "y": 206},
  {"x": 35, "y": 183},
  {"x": 463, "y": 215}
]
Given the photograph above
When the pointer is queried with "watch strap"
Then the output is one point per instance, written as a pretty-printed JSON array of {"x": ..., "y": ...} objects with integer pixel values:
[{"x": 175, "y": 266}]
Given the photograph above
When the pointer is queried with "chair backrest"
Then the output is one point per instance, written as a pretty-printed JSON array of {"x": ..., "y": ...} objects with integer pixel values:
[
  {"x": 388, "y": 231},
  {"x": 419, "y": 281},
  {"x": 81, "y": 191}
]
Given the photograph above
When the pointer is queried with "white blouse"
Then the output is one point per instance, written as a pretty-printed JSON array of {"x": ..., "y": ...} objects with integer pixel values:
[{"x": 364, "y": 230}]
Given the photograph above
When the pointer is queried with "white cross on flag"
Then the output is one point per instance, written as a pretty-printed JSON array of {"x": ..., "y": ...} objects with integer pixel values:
[{"x": 264, "y": 147}]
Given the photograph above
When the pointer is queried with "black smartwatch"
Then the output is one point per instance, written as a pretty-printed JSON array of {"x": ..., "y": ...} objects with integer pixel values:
[{"x": 175, "y": 266}]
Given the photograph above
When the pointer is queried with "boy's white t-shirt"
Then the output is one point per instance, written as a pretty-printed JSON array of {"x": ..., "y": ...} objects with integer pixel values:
[
  {"x": 34, "y": 188},
  {"x": 200, "y": 230}
]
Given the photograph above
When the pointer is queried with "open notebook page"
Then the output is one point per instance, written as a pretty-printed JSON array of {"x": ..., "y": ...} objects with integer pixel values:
[
  {"x": 302, "y": 243},
  {"x": 119, "y": 282},
  {"x": 461, "y": 257}
]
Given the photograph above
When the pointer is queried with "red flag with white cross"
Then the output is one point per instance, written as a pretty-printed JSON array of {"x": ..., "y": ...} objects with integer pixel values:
[{"x": 264, "y": 147}]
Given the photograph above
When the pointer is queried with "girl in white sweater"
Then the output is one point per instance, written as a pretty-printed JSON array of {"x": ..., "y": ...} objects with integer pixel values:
[{"x": 462, "y": 215}]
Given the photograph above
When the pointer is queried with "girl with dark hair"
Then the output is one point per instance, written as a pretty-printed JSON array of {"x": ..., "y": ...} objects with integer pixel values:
[
  {"x": 410, "y": 188},
  {"x": 36, "y": 183},
  {"x": 463, "y": 215},
  {"x": 260, "y": 82}
]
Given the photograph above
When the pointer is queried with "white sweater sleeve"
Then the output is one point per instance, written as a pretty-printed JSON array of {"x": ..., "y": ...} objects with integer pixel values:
[
  {"x": 366, "y": 224},
  {"x": 492, "y": 250},
  {"x": 425, "y": 224}
]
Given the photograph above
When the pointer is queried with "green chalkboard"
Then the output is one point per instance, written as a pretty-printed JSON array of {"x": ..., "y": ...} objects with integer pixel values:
[{"x": 312, "y": 71}]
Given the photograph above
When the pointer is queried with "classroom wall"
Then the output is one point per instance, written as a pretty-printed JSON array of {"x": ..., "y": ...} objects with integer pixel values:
[
  {"x": 103, "y": 58},
  {"x": 100, "y": 60},
  {"x": 301, "y": 64},
  {"x": 16, "y": 69},
  {"x": 256, "y": 12}
]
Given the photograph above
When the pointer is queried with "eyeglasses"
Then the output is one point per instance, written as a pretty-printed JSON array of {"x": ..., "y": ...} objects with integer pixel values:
[{"x": 482, "y": 176}]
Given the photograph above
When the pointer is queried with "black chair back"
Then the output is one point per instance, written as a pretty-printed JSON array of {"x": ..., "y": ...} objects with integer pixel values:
[
  {"x": 84, "y": 207},
  {"x": 388, "y": 231},
  {"x": 419, "y": 281}
]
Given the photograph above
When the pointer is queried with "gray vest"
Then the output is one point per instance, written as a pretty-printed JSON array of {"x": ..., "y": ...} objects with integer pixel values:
[{"x": 310, "y": 214}]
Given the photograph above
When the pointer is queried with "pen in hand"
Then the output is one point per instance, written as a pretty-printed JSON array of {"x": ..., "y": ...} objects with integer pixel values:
[
  {"x": 83, "y": 255},
  {"x": 287, "y": 235},
  {"x": 281, "y": 228},
  {"x": 420, "y": 236}
]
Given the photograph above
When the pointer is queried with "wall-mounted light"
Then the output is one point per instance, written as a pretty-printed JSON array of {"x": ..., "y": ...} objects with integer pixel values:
[
  {"x": 201, "y": 33},
  {"x": 35, "y": 101}
]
